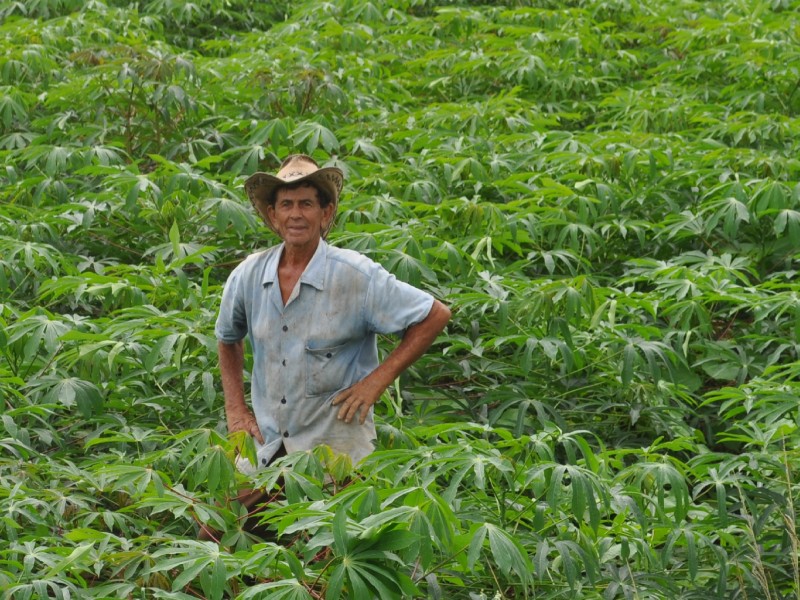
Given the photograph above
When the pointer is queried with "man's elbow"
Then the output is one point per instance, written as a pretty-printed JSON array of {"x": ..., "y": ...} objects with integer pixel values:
[
  {"x": 440, "y": 315},
  {"x": 225, "y": 349}
]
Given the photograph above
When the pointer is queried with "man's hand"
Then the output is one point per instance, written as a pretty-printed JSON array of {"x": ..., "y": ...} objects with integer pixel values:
[
  {"x": 239, "y": 416},
  {"x": 361, "y": 397},
  {"x": 244, "y": 420}
]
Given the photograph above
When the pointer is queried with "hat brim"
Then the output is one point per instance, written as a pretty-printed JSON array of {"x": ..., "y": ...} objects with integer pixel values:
[{"x": 260, "y": 187}]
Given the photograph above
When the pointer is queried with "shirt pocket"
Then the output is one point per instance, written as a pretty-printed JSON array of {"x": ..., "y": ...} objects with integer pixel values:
[{"x": 326, "y": 367}]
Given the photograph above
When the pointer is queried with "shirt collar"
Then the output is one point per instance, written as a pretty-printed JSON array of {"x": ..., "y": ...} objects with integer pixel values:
[{"x": 314, "y": 273}]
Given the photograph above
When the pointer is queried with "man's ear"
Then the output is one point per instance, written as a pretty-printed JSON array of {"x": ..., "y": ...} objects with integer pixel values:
[{"x": 327, "y": 215}]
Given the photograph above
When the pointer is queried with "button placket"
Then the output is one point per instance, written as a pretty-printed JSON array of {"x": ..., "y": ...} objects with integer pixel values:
[{"x": 280, "y": 388}]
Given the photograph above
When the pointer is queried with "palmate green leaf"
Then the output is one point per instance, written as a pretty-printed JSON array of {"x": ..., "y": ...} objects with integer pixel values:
[
  {"x": 310, "y": 135},
  {"x": 16, "y": 140},
  {"x": 408, "y": 268},
  {"x": 384, "y": 581},
  {"x": 787, "y": 222},
  {"x": 506, "y": 551},
  {"x": 33, "y": 329},
  {"x": 509, "y": 553},
  {"x": 16, "y": 448},
  {"x": 568, "y": 552},
  {"x": 212, "y": 470},
  {"x": 364, "y": 569},
  {"x": 14, "y": 106},
  {"x": 662, "y": 480},
  {"x": 72, "y": 561},
  {"x": 198, "y": 561},
  {"x": 426, "y": 520},
  {"x": 39, "y": 258},
  {"x": 231, "y": 213},
  {"x": 275, "y": 131},
  {"x": 588, "y": 496},
  {"x": 70, "y": 391},
  {"x": 213, "y": 582},
  {"x": 369, "y": 149},
  {"x": 759, "y": 435},
  {"x": 357, "y": 581},
  {"x": 730, "y": 212},
  {"x": 104, "y": 155},
  {"x": 248, "y": 159},
  {"x": 772, "y": 196},
  {"x": 181, "y": 503},
  {"x": 135, "y": 479},
  {"x": 454, "y": 467},
  {"x": 52, "y": 160},
  {"x": 766, "y": 403},
  {"x": 57, "y": 587},
  {"x": 691, "y": 542},
  {"x": 133, "y": 184},
  {"x": 289, "y": 589}
]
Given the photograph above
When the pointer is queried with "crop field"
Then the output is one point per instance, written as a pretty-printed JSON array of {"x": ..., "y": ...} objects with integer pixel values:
[{"x": 606, "y": 193}]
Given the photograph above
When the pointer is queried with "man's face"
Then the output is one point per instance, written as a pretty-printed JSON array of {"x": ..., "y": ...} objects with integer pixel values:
[{"x": 298, "y": 217}]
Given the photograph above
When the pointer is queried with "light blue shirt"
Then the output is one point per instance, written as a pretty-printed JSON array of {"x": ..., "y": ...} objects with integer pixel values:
[{"x": 322, "y": 341}]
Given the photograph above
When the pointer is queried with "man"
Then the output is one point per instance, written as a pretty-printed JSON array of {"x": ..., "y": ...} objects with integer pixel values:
[{"x": 312, "y": 313}]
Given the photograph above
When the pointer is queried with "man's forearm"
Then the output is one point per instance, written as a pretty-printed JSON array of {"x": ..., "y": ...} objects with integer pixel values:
[
  {"x": 231, "y": 367},
  {"x": 417, "y": 339},
  {"x": 237, "y": 413}
]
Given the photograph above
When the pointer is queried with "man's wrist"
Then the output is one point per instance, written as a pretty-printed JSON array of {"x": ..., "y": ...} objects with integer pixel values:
[
  {"x": 238, "y": 413},
  {"x": 380, "y": 379}
]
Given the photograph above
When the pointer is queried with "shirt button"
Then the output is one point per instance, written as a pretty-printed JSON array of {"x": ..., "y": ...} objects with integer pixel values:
[
  {"x": 285, "y": 434},
  {"x": 286, "y": 328},
  {"x": 283, "y": 400},
  {"x": 264, "y": 461},
  {"x": 284, "y": 362},
  {"x": 328, "y": 355}
]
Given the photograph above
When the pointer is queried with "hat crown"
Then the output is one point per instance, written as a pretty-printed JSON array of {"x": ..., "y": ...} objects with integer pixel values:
[{"x": 296, "y": 167}]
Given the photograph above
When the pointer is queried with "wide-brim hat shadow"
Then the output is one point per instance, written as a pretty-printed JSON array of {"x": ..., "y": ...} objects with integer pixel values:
[{"x": 261, "y": 187}]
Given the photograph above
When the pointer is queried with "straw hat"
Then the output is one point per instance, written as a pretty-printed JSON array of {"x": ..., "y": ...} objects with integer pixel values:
[{"x": 261, "y": 187}]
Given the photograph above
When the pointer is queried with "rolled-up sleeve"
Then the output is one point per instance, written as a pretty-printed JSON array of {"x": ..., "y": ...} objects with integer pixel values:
[
  {"x": 231, "y": 325},
  {"x": 392, "y": 306}
]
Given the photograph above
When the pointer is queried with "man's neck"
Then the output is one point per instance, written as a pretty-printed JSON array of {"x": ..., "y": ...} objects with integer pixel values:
[{"x": 294, "y": 257}]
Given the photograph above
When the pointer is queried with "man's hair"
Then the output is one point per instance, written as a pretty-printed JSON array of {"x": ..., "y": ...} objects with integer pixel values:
[{"x": 324, "y": 197}]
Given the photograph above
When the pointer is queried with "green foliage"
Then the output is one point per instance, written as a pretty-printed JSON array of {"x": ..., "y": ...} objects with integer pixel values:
[{"x": 605, "y": 192}]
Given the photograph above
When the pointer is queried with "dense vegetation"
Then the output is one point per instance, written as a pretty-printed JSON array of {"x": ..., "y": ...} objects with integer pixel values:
[{"x": 604, "y": 191}]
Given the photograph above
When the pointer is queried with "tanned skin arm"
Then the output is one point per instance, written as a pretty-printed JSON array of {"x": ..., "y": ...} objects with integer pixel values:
[
  {"x": 417, "y": 339},
  {"x": 231, "y": 366}
]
